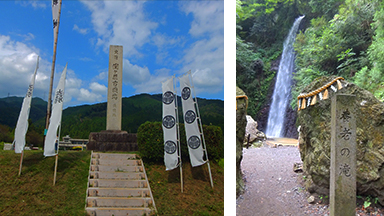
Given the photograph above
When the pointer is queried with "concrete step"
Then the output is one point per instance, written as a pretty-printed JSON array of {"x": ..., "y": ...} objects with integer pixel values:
[
  {"x": 119, "y": 211},
  {"x": 109, "y": 156},
  {"x": 122, "y": 162},
  {"x": 106, "y": 183},
  {"x": 117, "y": 175},
  {"x": 116, "y": 168},
  {"x": 118, "y": 202},
  {"x": 118, "y": 192}
]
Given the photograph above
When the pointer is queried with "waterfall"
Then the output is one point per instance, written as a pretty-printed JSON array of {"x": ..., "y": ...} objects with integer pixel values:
[{"x": 282, "y": 92}]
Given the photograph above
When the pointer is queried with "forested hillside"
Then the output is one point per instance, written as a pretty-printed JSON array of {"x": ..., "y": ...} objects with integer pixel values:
[
  {"x": 337, "y": 37},
  {"x": 79, "y": 121}
]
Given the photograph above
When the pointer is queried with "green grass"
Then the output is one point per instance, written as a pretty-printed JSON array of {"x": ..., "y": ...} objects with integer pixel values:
[
  {"x": 33, "y": 192},
  {"x": 198, "y": 198}
]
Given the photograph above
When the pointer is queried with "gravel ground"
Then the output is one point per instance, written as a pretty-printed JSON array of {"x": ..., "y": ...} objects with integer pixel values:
[{"x": 273, "y": 188}]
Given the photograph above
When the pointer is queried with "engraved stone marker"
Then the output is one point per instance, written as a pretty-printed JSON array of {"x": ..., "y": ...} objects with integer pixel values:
[
  {"x": 343, "y": 156},
  {"x": 115, "y": 79},
  {"x": 113, "y": 138}
]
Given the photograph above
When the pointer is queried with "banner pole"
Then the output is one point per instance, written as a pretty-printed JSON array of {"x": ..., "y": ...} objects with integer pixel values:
[
  {"x": 54, "y": 175},
  {"x": 178, "y": 136},
  {"x": 52, "y": 70},
  {"x": 21, "y": 161},
  {"x": 201, "y": 127},
  {"x": 210, "y": 174}
]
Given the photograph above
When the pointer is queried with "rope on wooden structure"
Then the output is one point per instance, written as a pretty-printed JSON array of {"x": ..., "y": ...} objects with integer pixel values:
[
  {"x": 242, "y": 96},
  {"x": 306, "y": 100}
]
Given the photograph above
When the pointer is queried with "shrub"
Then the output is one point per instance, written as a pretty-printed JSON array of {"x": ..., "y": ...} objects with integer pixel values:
[{"x": 151, "y": 143}]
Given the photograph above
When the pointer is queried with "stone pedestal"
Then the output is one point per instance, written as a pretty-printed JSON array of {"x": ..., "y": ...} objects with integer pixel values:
[
  {"x": 112, "y": 140},
  {"x": 343, "y": 156}
]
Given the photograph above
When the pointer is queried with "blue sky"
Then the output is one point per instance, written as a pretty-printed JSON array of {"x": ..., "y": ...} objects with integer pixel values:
[{"x": 159, "y": 38}]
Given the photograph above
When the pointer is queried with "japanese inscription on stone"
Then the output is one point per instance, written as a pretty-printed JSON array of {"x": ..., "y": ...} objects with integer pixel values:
[
  {"x": 114, "y": 87},
  {"x": 343, "y": 156}
]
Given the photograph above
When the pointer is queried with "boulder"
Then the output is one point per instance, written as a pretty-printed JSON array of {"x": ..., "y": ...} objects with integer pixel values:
[
  {"x": 315, "y": 140},
  {"x": 251, "y": 129},
  {"x": 241, "y": 112}
]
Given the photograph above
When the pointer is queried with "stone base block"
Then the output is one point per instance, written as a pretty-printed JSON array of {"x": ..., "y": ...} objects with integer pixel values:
[{"x": 111, "y": 140}]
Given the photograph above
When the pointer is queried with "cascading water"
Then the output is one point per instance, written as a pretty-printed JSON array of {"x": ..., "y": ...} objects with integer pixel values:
[{"x": 282, "y": 92}]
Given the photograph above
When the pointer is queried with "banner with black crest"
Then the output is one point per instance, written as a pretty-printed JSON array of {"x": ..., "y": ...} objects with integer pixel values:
[
  {"x": 192, "y": 132},
  {"x": 170, "y": 126}
]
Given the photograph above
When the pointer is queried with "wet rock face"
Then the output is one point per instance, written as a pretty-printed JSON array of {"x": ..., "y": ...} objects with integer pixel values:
[
  {"x": 241, "y": 112},
  {"x": 315, "y": 140}
]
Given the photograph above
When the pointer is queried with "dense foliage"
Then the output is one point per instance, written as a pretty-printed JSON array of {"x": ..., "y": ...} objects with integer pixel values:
[
  {"x": 348, "y": 45},
  {"x": 151, "y": 143},
  {"x": 261, "y": 27},
  {"x": 338, "y": 37}
]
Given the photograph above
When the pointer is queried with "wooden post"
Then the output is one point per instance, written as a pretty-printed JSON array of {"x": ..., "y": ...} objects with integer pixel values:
[
  {"x": 21, "y": 161},
  {"x": 54, "y": 175},
  {"x": 52, "y": 72}
]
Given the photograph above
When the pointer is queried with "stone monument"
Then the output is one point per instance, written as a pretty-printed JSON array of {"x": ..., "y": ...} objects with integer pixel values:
[
  {"x": 115, "y": 79},
  {"x": 343, "y": 156},
  {"x": 113, "y": 138}
]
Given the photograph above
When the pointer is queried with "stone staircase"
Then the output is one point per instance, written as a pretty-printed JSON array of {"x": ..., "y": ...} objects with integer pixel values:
[{"x": 118, "y": 185}]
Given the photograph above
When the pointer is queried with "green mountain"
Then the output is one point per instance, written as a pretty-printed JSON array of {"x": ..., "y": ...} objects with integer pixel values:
[
  {"x": 10, "y": 108},
  {"x": 79, "y": 121}
]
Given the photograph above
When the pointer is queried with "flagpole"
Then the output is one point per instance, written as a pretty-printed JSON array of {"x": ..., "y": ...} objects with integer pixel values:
[
  {"x": 201, "y": 129},
  {"x": 57, "y": 153},
  {"x": 52, "y": 70},
  {"x": 178, "y": 138},
  {"x": 21, "y": 161},
  {"x": 54, "y": 175}
]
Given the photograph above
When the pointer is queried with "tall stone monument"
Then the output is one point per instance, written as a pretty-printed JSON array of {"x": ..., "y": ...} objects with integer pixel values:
[
  {"x": 343, "y": 156},
  {"x": 113, "y": 138},
  {"x": 115, "y": 78}
]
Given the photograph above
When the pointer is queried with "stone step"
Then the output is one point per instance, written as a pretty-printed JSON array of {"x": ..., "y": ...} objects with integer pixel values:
[
  {"x": 113, "y": 156},
  {"x": 118, "y": 202},
  {"x": 116, "y": 168},
  {"x": 117, "y": 175},
  {"x": 119, "y": 211},
  {"x": 122, "y": 161},
  {"x": 106, "y": 183},
  {"x": 119, "y": 192}
]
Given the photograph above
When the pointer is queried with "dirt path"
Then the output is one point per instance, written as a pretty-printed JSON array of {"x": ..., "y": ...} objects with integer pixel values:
[{"x": 272, "y": 188}]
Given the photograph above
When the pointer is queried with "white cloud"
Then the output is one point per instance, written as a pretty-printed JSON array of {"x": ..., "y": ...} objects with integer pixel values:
[
  {"x": 74, "y": 90},
  {"x": 102, "y": 76},
  {"x": 82, "y": 31},
  {"x": 205, "y": 57},
  {"x": 34, "y": 4},
  {"x": 162, "y": 40},
  {"x": 209, "y": 17},
  {"x": 17, "y": 64},
  {"x": 134, "y": 74},
  {"x": 87, "y": 96},
  {"x": 98, "y": 88},
  {"x": 153, "y": 83},
  {"x": 121, "y": 23}
]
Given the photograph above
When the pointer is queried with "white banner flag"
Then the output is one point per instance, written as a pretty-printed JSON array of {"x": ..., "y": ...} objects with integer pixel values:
[
  {"x": 55, "y": 17},
  {"x": 192, "y": 131},
  {"x": 171, "y": 145},
  {"x": 55, "y": 120},
  {"x": 22, "y": 122}
]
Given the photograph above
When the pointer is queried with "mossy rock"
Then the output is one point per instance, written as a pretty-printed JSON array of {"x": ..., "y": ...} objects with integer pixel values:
[
  {"x": 315, "y": 140},
  {"x": 241, "y": 122}
]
